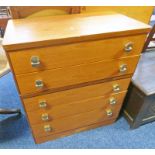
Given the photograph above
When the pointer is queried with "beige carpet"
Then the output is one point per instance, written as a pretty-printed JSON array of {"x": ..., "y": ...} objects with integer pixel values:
[{"x": 4, "y": 66}]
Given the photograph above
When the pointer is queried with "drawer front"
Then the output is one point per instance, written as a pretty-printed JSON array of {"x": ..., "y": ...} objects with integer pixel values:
[
  {"x": 68, "y": 109},
  {"x": 75, "y": 54},
  {"x": 73, "y": 122},
  {"x": 56, "y": 78},
  {"x": 74, "y": 95}
]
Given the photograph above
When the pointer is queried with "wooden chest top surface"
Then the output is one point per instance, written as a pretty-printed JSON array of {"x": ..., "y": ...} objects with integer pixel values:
[{"x": 51, "y": 30}]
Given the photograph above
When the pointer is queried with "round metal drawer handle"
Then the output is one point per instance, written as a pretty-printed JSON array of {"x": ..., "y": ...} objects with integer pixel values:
[
  {"x": 112, "y": 101},
  {"x": 128, "y": 47},
  {"x": 35, "y": 61},
  {"x": 123, "y": 68},
  {"x": 39, "y": 84},
  {"x": 109, "y": 112},
  {"x": 116, "y": 88},
  {"x": 43, "y": 104},
  {"x": 45, "y": 117},
  {"x": 47, "y": 128}
]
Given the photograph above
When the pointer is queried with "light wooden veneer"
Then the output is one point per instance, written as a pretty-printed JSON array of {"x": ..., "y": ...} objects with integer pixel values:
[{"x": 73, "y": 71}]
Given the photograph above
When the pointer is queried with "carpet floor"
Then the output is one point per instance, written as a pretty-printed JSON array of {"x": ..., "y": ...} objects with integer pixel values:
[{"x": 15, "y": 132}]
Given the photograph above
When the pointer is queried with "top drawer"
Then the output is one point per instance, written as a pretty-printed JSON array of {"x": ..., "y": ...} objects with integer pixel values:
[{"x": 39, "y": 59}]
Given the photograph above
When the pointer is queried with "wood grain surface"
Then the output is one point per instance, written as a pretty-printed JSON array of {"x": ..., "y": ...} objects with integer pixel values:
[
  {"x": 74, "y": 75},
  {"x": 80, "y": 59},
  {"x": 73, "y": 131},
  {"x": 76, "y": 121},
  {"x": 74, "y": 95},
  {"x": 73, "y": 108},
  {"x": 141, "y": 13},
  {"x": 75, "y": 54},
  {"x": 77, "y": 94},
  {"x": 28, "y": 33}
]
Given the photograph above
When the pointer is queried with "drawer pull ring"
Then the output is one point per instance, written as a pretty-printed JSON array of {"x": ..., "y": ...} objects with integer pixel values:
[
  {"x": 35, "y": 61},
  {"x": 45, "y": 117},
  {"x": 47, "y": 128},
  {"x": 112, "y": 101},
  {"x": 42, "y": 104},
  {"x": 39, "y": 84},
  {"x": 123, "y": 68},
  {"x": 109, "y": 112},
  {"x": 128, "y": 47},
  {"x": 116, "y": 88}
]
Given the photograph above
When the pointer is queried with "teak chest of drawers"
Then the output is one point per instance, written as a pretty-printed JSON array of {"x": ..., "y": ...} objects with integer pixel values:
[{"x": 73, "y": 71}]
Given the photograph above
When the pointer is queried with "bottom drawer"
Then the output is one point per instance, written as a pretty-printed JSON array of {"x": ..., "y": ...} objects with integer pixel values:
[
  {"x": 73, "y": 131},
  {"x": 75, "y": 121}
]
